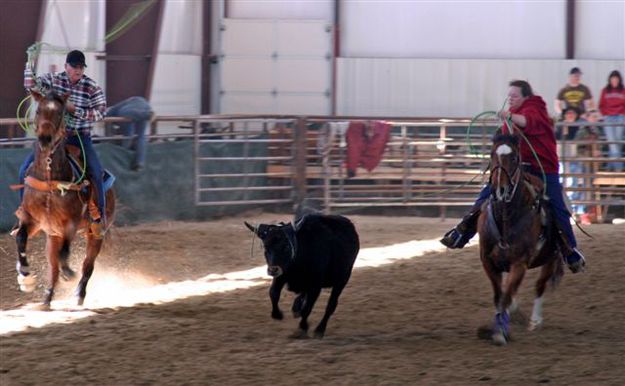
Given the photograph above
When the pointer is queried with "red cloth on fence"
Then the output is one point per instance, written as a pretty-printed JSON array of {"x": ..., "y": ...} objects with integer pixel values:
[{"x": 365, "y": 144}]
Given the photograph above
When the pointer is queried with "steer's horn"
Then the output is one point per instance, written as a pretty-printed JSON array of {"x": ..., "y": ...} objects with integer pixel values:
[{"x": 250, "y": 227}]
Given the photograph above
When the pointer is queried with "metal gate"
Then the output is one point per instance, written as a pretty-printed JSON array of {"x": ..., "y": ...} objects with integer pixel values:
[{"x": 234, "y": 160}]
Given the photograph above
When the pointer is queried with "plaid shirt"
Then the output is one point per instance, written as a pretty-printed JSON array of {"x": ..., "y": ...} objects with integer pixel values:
[{"x": 86, "y": 95}]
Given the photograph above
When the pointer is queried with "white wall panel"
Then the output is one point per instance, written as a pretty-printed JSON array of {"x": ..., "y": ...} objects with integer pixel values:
[
  {"x": 275, "y": 66},
  {"x": 452, "y": 88},
  {"x": 302, "y": 75},
  {"x": 303, "y": 104},
  {"x": 75, "y": 24},
  {"x": 291, "y": 35},
  {"x": 176, "y": 88},
  {"x": 453, "y": 29},
  {"x": 182, "y": 27},
  {"x": 242, "y": 37},
  {"x": 280, "y": 9},
  {"x": 253, "y": 74},
  {"x": 600, "y": 29},
  {"x": 236, "y": 103}
]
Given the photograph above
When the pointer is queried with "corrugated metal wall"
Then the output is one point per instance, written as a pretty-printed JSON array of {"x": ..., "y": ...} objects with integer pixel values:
[{"x": 452, "y": 87}]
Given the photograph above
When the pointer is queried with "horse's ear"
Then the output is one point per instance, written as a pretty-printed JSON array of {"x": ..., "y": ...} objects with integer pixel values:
[{"x": 36, "y": 95}]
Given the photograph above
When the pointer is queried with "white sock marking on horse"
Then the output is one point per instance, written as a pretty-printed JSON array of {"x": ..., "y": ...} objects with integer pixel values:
[
  {"x": 537, "y": 313},
  {"x": 503, "y": 150}
]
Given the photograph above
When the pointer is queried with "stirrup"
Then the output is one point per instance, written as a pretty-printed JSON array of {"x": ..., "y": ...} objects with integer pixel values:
[
  {"x": 578, "y": 265},
  {"x": 98, "y": 229},
  {"x": 453, "y": 239}
]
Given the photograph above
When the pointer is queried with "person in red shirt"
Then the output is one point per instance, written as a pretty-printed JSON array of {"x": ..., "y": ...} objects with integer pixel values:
[
  {"x": 612, "y": 107},
  {"x": 529, "y": 113}
]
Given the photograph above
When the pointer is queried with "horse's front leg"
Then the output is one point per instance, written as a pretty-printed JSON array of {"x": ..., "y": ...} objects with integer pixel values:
[
  {"x": 501, "y": 332},
  {"x": 26, "y": 279},
  {"x": 93, "y": 249},
  {"x": 54, "y": 244}
]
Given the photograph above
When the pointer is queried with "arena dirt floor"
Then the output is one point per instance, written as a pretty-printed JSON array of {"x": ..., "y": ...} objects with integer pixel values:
[{"x": 410, "y": 322}]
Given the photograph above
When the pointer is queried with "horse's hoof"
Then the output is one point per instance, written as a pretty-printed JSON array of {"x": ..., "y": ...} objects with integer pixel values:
[
  {"x": 534, "y": 325},
  {"x": 499, "y": 339},
  {"x": 67, "y": 273},
  {"x": 27, "y": 283},
  {"x": 43, "y": 307},
  {"x": 299, "y": 334},
  {"x": 277, "y": 315},
  {"x": 297, "y": 314}
]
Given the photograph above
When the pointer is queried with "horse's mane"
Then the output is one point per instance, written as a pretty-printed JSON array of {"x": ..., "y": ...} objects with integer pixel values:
[{"x": 54, "y": 96}]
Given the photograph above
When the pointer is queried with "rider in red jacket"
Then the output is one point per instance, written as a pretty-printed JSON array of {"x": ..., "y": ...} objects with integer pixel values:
[{"x": 528, "y": 113}]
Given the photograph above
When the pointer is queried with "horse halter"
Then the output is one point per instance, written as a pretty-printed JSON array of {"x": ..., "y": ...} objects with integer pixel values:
[{"x": 506, "y": 194}]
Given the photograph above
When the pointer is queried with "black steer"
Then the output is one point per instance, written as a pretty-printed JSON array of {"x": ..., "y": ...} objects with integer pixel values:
[{"x": 316, "y": 252}]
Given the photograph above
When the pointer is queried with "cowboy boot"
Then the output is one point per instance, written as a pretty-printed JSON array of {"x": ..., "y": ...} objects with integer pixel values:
[
  {"x": 460, "y": 235},
  {"x": 574, "y": 259}
]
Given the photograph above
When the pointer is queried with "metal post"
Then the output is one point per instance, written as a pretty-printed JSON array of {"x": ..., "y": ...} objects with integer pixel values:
[{"x": 299, "y": 144}]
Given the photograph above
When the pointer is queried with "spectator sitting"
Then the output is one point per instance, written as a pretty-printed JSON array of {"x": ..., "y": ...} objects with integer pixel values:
[
  {"x": 569, "y": 115},
  {"x": 612, "y": 106},
  {"x": 139, "y": 111},
  {"x": 574, "y": 94}
]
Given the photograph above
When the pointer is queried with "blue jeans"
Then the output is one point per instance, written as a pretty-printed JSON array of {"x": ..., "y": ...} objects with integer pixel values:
[
  {"x": 131, "y": 129},
  {"x": 94, "y": 168},
  {"x": 558, "y": 207},
  {"x": 138, "y": 110},
  {"x": 615, "y": 133}
]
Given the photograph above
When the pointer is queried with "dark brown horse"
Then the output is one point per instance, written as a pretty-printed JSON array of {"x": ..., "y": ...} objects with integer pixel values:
[
  {"x": 515, "y": 235},
  {"x": 55, "y": 204}
]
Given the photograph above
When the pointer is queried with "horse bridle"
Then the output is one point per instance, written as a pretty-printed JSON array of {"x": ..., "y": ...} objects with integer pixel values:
[{"x": 514, "y": 178}]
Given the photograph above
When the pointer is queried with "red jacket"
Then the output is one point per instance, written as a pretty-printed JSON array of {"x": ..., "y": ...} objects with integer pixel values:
[
  {"x": 612, "y": 102},
  {"x": 539, "y": 132}
]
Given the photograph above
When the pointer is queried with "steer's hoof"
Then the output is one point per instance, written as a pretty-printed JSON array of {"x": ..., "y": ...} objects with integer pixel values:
[
  {"x": 319, "y": 334},
  {"x": 277, "y": 315}
]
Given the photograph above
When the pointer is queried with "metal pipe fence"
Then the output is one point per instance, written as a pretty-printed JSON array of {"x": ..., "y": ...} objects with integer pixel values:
[{"x": 428, "y": 162}]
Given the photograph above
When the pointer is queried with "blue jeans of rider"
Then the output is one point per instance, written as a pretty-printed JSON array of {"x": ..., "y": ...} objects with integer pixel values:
[
  {"x": 560, "y": 212},
  {"x": 94, "y": 168}
]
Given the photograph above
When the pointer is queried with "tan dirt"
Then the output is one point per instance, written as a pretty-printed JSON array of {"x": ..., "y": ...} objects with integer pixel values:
[{"x": 412, "y": 322}]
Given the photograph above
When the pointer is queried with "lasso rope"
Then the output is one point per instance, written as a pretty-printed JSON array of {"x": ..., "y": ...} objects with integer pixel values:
[{"x": 510, "y": 126}]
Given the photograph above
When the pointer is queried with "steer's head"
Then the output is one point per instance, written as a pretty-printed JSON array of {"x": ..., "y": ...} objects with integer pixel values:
[{"x": 280, "y": 244}]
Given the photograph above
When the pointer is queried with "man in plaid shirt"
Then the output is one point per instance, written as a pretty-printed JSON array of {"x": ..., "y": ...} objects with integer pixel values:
[{"x": 85, "y": 106}]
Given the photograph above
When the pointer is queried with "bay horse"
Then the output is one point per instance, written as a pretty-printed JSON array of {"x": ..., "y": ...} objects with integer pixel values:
[
  {"x": 55, "y": 203},
  {"x": 516, "y": 234}
]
